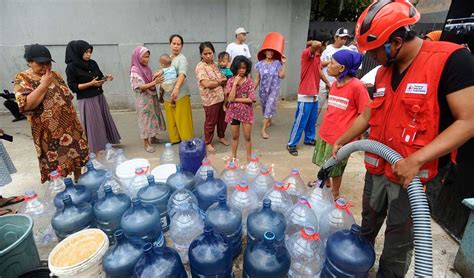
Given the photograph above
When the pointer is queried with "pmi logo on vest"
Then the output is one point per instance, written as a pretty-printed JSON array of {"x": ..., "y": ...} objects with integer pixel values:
[{"x": 417, "y": 88}]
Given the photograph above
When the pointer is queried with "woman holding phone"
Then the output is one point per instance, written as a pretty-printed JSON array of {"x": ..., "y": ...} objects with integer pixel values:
[{"x": 85, "y": 79}]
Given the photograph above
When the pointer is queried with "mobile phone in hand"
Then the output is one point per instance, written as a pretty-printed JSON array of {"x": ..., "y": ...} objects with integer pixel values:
[{"x": 6, "y": 137}]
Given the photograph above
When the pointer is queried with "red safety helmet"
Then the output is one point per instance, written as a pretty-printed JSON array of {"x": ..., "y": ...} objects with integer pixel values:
[{"x": 378, "y": 21}]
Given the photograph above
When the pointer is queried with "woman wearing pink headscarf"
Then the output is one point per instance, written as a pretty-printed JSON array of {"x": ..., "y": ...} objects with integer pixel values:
[{"x": 150, "y": 117}]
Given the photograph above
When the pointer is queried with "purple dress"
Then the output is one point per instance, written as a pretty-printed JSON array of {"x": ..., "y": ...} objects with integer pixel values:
[{"x": 269, "y": 86}]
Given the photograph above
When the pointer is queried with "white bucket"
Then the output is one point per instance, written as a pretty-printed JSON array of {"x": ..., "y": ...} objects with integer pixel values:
[
  {"x": 79, "y": 255},
  {"x": 126, "y": 170},
  {"x": 162, "y": 172}
]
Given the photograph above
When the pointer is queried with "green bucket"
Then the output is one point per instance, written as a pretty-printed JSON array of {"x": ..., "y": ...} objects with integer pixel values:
[{"x": 18, "y": 252}]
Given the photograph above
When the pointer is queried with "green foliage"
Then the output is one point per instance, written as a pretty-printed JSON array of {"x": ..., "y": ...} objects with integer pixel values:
[{"x": 337, "y": 10}]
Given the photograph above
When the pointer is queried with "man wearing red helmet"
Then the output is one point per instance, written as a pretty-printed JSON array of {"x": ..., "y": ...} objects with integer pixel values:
[{"x": 423, "y": 108}]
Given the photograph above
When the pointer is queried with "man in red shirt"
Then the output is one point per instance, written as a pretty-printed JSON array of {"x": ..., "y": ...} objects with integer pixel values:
[{"x": 308, "y": 90}]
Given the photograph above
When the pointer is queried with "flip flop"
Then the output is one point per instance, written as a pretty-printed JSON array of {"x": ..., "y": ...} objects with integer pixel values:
[
  {"x": 11, "y": 201},
  {"x": 6, "y": 212},
  {"x": 150, "y": 149}
]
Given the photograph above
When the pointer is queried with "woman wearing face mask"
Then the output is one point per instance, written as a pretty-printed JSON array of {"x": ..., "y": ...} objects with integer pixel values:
[
  {"x": 85, "y": 79},
  {"x": 45, "y": 99}
]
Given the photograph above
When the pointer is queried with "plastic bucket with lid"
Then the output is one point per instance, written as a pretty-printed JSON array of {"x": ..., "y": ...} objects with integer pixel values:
[
  {"x": 79, "y": 255},
  {"x": 126, "y": 170},
  {"x": 18, "y": 251},
  {"x": 273, "y": 41},
  {"x": 162, "y": 172}
]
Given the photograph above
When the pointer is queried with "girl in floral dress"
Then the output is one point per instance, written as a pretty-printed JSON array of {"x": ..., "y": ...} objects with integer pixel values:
[{"x": 241, "y": 96}]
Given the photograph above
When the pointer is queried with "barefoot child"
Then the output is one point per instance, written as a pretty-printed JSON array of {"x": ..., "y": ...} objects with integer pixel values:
[
  {"x": 170, "y": 76},
  {"x": 241, "y": 96},
  {"x": 348, "y": 97}
]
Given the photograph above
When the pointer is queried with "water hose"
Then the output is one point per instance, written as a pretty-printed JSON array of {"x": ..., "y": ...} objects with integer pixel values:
[{"x": 423, "y": 241}]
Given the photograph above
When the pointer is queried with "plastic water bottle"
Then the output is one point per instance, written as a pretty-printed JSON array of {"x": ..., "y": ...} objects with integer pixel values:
[
  {"x": 78, "y": 193},
  {"x": 141, "y": 224},
  {"x": 42, "y": 213},
  {"x": 245, "y": 200},
  {"x": 336, "y": 219},
  {"x": 181, "y": 179},
  {"x": 97, "y": 164},
  {"x": 264, "y": 220},
  {"x": 121, "y": 258},
  {"x": 205, "y": 166},
  {"x": 299, "y": 216},
  {"x": 159, "y": 262},
  {"x": 139, "y": 181},
  {"x": 56, "y": 185},
  {"x": 228, "y": 222},
  {"x": 108, "y": 157},
  {"x": 168, "y": 156},
  {"x": 119, "y": 159},
  {"x": 210, "y": 255},
  {"x": 109, "y": 209},
  {"x": 186, "y": 224},
  {"x": 307, "y": 253},
  {"x": 92, "y": 179},
  {"x": 252, "y": 169},
  {"x": 263, "y": 182},
  {"x": 295, "y": 184},
  {"x": 281, "y": 200},
  {"x": 348, "y": 254},
  {"x": 321, "y": 199},
  {"x": 157, "y": 194},
  {"x": 181, "y": 197},
  {"x": 266, "y": 258},
  {"x": 231, "y": 175},
  {"x": 111, "y": 181},
  {"x": 207, "y": 192},
  {"x": 72, "y": 218}
]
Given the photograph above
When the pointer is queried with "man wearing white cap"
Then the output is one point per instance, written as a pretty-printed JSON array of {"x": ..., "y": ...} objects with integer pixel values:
[{"x": 239, "y": 47}]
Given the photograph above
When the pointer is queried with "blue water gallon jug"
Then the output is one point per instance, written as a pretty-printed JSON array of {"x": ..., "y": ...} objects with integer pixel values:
[
  {"x": 266, "y": 258},
  {"x": 141, "y": 224},
  {"x": 181, "y": 179},
  {"x": 120, "y": 260},
  {"x": 191, "y": 153},
  {"x": 159, "y": 262},
  {"x": 265, "y": 220},
  {"x": 78, "y": 194},
  {"x": 72, "y": 218},
  {"x": 228, "y": 222},
  {"x": 157, "y": 194},
  {"x": 109, "y": 209},
  {"x": 348, "y": 254},
  {"x": 92, "y": 179},
  {"x": 207, "y": 192},
  {"x": 210, "y": 255}
]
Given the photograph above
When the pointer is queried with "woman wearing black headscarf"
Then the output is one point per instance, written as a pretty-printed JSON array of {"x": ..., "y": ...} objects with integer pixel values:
[{"x": 85, "y": 79}]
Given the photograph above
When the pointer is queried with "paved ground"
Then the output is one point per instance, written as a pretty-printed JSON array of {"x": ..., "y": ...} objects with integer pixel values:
[{"x": 272, "y": 151}]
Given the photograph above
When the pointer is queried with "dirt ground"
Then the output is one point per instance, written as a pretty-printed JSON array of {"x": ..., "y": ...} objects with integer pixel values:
[{"x": 272, "y": 151}]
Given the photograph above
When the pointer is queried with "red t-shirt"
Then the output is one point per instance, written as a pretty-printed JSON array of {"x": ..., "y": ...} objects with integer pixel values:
[
  {"x": 344, "y": 105},
  {"x": 310, "y": 66}
]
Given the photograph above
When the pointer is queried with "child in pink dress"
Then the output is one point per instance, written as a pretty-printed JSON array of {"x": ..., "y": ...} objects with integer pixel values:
[{"x": 240, "y": 98}]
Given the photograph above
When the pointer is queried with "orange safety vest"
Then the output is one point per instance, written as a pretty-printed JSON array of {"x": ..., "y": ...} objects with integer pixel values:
[{"x": 407, "y": 119}]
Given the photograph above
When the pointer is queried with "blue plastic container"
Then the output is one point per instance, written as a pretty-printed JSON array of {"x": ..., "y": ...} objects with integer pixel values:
[
  {"x": 207, "y": 192},
  {"x": 181, "y": 179},
  {"x": 159, "y": 262},
  {"x": 210, "y": 255},
  {"x": 78, "y": 194},
  {"x": 265, "y": 220},
  {"x": 348, "y": 254},
  {"x": 266, "y": 259},
  {"x": 120, "y": 260},
  {"x": 72, "y": 218},
  {"x": 141, "y": 224},
  {"x": 92, "y": 179},
  {"x": 109, "y": 210},
  {"x": 157, "y": 194},
  {"x": 191, "y": 154},
  {"x": 228, "y": 222}
]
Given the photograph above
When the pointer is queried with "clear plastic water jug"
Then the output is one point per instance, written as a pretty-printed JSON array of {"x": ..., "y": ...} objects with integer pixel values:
[
  {"x": 252, "y": 169},
  {"x": 111, "y": 181},
  {"x": 245, "y": 200},
  {"x": 307, "y": 253},
  {"x": 336, "y": 219},
  {"x": 181, "y": 179},
  {"x": 56, "y": 185},
  {"x": 108, "y": 157},
  {"x": 263, "y": 182},
  {"x": 295, "y": 184},
  {"x": 97, "y": 164},
  {"x": 281, "y": 200},
  {"x": 139, "y": 181},
  {"x": 321, "y": 199},
  {"x": 119, "y": 159},
  {"x": 168, "y": 156},
  {"x": 205, "y": 166},
  {"x": 299, "y": 216},
  {"x": 179, "y": 198},
  {"x": 231, "y": 175}
]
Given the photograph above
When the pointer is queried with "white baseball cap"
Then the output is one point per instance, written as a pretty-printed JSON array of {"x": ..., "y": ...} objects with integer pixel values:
[
  {"x": 342, "y": 32},
  {"x": 240, "y": 30}
]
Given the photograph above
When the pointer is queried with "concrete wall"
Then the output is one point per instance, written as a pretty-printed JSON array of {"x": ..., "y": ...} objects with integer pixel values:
[{"x": 115, "y": 27}]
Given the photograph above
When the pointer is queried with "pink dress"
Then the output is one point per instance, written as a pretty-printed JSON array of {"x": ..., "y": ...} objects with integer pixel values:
[{"x": 240, "y": 111}]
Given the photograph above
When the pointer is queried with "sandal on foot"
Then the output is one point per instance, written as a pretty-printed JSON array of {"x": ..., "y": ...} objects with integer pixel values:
[
  {"x": 150, "y": 149},
  {"x": 292, "y": 150}
]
